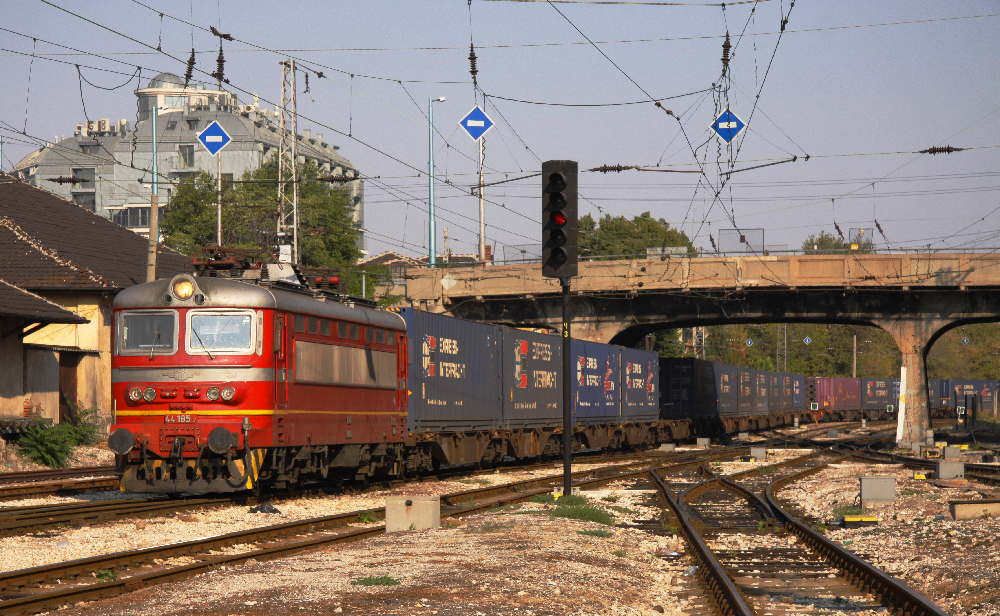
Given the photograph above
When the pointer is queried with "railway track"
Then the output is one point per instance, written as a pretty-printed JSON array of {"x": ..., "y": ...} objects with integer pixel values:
[
  {"x": 49, "y": 587},
  {"x": 57, "y": 481},
  {"x": 756, "y": 557}
]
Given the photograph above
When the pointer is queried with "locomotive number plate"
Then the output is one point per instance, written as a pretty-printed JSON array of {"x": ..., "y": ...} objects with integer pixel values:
[{"x": 179, "y": 419}]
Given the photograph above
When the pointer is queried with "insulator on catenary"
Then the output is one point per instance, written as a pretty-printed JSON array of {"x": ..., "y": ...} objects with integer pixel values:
[
  {"x": 220, "y": 64},
  {"x": 612, "y": 168},
  {"x": 712, "y": 239},
  {"x": 726, "y": 46},
  {"x": 879, "y": 227},
  {"x": 839, "y": 232},
  {"x": 940, "y": 150},
  {"x": 473, "y": 70},
  {"x": 190, "y": 69}
]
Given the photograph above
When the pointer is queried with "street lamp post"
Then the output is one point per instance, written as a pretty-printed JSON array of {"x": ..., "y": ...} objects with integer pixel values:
[{"x": 431, "y": 233}]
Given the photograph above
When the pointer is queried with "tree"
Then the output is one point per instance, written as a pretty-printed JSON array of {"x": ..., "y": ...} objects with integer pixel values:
[
  {"x": 327, "y": 235},
  {"x": 616, "y": 236},
  {"x": 828, "y": 243}
]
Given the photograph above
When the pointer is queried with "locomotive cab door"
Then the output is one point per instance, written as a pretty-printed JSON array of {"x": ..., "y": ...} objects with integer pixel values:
[{"x": 280, "y": 363}]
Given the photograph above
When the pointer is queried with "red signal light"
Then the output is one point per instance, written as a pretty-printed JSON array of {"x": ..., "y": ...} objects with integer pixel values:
[{"x": 558, "y": 219}]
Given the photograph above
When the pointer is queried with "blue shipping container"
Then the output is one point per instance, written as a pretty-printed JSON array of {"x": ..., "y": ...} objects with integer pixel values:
[
  {"x": 774, "y": 392},
  {"x": 532, "y": 386},
  {"x": 454, "y": 376},
  {"x": 747, "y": 393},
  {"x": 724, "y": 400},
  {"x": 786, "y": 391},
  {"x": 761, "y": 392},
  {"x": 677, "y": 388},
  {"x": 963, "y": 391},
  {"x": 938, "y": 396},
  {"x": 640, "y": 385},
  {"x": 798, "y": 393},
  {"x": 596, "y": 384},
  {"x": 878, "y": 394}
]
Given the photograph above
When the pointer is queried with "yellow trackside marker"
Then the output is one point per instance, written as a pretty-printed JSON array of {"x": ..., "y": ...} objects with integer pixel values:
[{"x": 919, "y": 476}]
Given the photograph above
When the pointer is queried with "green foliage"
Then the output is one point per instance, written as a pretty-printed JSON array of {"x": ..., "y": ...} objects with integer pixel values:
[
  {"x": 606, "y": 534},
  {"x": 328, "y": 236},
  {"x": 545, "y": 499},
  {"x": 106, "y": 575},
  {"x": 839, "y": 512},
  {"x": 367, "y": 517},
  {"x": 828, "y": 243},
  {"x": 488, "y": 527},
  {"x": 86, "y": 431},
  {"x": 949, "y": 358},
  {"x": 376, "y": 580},
  {"x": 611, "y": 498},
  {"x": 46, "y": 444},
  {"x": 586, "y": 513},
  {"x": 619, "y": 553},
  {"x": 615, "y": 236},
  {"x": 624, "y": 510}
]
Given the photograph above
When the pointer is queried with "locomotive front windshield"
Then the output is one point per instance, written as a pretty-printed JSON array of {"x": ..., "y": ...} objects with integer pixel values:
[
  {"x": 148, "y": 332},
  {"x": 222, "y": 331}
]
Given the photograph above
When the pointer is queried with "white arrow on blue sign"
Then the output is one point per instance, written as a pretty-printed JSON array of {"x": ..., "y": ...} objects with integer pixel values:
[
  {"x": 807, "y": 340},
  {"x": 965, "y": 341},
  {"x": 214, "y": 138},
  {"x": 727, "y": 126},
  {"x": 476, "y": 123},
  {"x": 749, "y": 342}
]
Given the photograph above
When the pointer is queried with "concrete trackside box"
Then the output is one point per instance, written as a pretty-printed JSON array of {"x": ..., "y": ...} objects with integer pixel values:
[
  {"x": 596, "y": 384},
  {"x": 532, "y": 386},
  {"x": 454, "y": 373},
  {"x": 640, "y": 385}
]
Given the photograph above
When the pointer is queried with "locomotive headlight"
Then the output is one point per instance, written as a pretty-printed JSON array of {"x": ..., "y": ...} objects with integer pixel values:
[
  {"x": 135, "y": 394},
  {"x": 183, "y": 289},
  {"x": 212, "y": 393},
  {"x": 149, "y": 394},
  {"x": 228, "y": 394}
]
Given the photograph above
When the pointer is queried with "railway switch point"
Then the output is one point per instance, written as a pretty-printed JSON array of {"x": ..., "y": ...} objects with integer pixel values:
[
  {"x": 952, "y": 453},
  {"x": 668, "y": 447},
  {"x": 950, "y": 469},
  {"x": 413, "y": 512},
  {"x": 704, "y": 443},
  {"x": 760, "y": 453},
  {"x": 877, "y": 490}
]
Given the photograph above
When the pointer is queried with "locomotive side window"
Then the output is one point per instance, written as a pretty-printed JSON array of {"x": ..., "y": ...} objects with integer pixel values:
[
  {"x": 228, "y": 332},
  {"x": 324, "y": 328},
  {"x": 354, "y": 332},
  {"x": 380, "y": 336},
  {"x": 300, "y": 323},
  {"x": 312, "y": 325},
  {"x": 390, "y": 338},
  {"x": 147, "y": 332},
  {"x": 342, "y": 330},
  {"x": 369, "y": 334}
]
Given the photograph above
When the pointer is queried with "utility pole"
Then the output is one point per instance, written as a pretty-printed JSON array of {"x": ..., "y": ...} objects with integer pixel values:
[
  {"x": 447, "y": 255},
  {"x": 218, "y": 198},
  {"x": 482, "y": 209},
  {"x": 854, "y": 368},
  {"x": 431, "y": 231},
  {"x": 288, "y": 160},
  {"x": 154, "y": 211}
]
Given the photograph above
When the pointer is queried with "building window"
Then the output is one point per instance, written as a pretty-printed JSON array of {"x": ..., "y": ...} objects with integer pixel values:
[
  {"x": 90, "y": 148},
  {"x": 171, "y": 125},
  {"x": 192, "y": 124},
  {"x": 87, "y": 175},
  {"x": 87, "y": 200},
  {"x": 187, "y": 155},
  {"x": 132, "y": 217}
]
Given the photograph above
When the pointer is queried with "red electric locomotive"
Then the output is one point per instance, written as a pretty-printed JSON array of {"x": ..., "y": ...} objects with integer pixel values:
[{"x": 224, "y": 384}]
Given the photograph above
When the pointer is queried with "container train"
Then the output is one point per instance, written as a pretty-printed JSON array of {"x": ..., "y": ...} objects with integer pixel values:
[
  {"x": 724, "y": 398},
  {"x": 247, "y": 378}
]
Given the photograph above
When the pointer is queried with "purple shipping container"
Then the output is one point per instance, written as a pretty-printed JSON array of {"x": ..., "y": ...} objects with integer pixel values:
[
  {"x": 532, "y": 387},
  {"x": 596, "y": 384},
  {"x": 454, "y": 373},
  {"x": 838, "y": 393},
  {"x": 640, "y": 385}
]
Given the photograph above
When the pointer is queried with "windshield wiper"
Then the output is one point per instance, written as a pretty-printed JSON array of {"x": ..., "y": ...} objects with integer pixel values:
[
  {"x": 195, "y": 331},
  {"x": 156, "y": 337}
]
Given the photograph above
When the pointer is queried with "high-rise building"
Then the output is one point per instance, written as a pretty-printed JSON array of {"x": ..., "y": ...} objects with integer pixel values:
[{"x": 109, "y": 159}]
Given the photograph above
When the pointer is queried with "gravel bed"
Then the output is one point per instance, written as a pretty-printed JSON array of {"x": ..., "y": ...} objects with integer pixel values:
[
  {"x": 519, "y": 560},
  {"x": 955, "y": 563},
  {"x": 773, "y": 457},
  {"x": 12, "y": 462},
  {"x": 61, "y": 545}
]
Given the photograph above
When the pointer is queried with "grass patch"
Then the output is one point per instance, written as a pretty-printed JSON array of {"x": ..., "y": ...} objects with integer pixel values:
[
  {"x": 839, "y": 512},
  {"x": 611, "y": 498},
  {"x": 586, "y": 513},
  {"x": 506, "y": 508},
  {"x": 820, "y": 527},
  {"x": 488, "y": 527},
  {"x": 572, "y": 500},
  {"x": 932, "y": 497},
  {"x": 848, "y": 542},
  {"x": 619, "y": 553},
  {"x": 624, "y": 510},
  {"x": 106, "y": 575},
  {"x": 367, "y": 517},
  {"x": 376, "y": 580},
  {"x": 484, "y": 482},
  {"x": 607, "y": 534},
  {"x": 912, "y": 492},
  {"x": 466, "y": 481}
]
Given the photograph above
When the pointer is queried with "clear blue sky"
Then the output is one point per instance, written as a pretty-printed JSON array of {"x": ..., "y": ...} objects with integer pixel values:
[{"x": 850, "y": 97}]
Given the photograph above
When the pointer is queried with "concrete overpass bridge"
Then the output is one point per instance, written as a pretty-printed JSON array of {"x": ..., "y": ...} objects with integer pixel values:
[{"x": 914, "y": 297}]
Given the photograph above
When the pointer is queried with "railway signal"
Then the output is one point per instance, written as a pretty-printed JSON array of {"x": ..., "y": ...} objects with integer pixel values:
[{"x": 560, "y": 253}]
